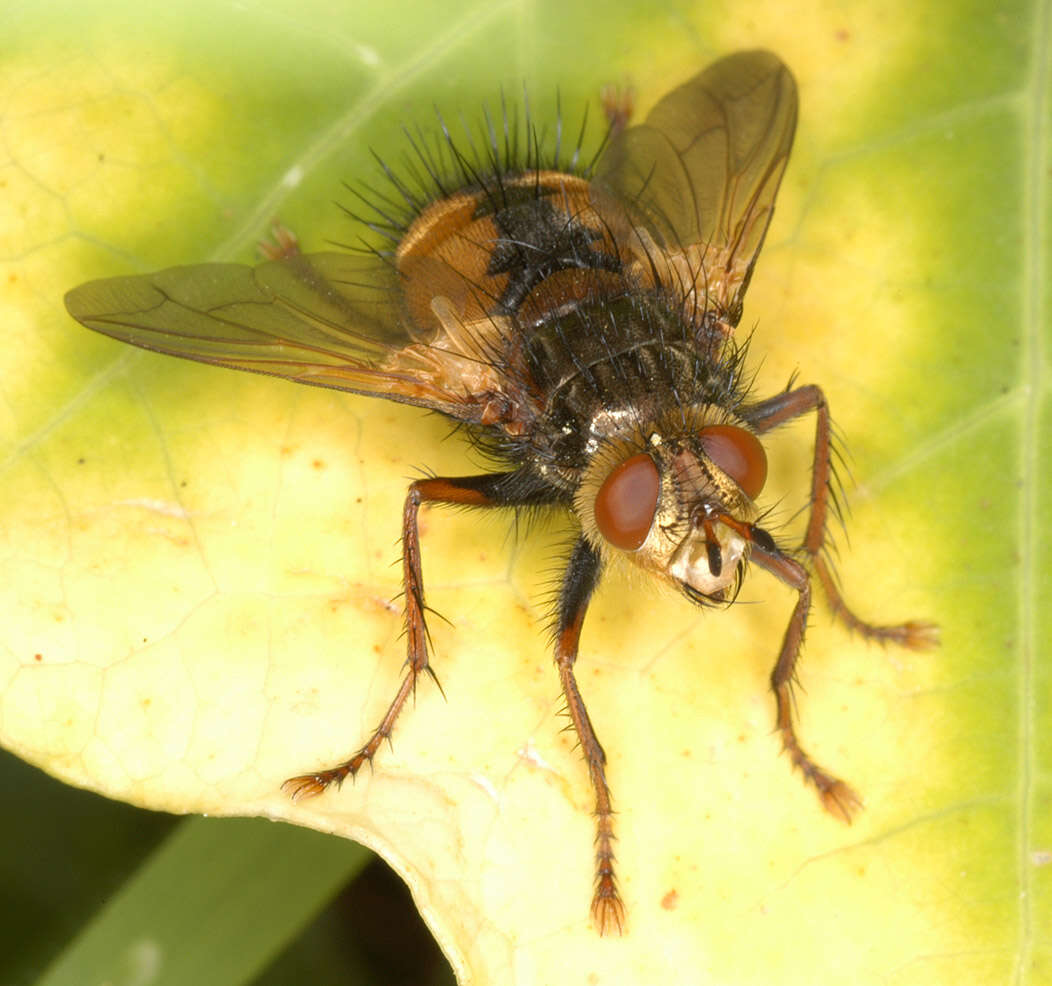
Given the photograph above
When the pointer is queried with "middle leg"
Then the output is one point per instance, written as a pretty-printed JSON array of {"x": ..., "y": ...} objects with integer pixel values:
[
  {"x": 777, "y": 410},
  {"x": 494, "y": 490}
]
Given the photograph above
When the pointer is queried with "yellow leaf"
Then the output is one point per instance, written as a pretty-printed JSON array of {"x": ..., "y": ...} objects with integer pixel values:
[{"x": 197, "y": 565}]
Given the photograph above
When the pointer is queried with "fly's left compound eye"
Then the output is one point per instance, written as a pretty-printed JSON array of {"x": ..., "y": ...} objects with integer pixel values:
[
  {"x": 627, "y": 501},
  {"x": 739, "y": 454}
]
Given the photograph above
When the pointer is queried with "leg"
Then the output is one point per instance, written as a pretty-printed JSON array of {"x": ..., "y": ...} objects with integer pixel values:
[
  {"x": 784, "y": 407},
  {"x": 619, "y": 102},
  {"x": 282, "y": 244},
  {"x": 837, "y": 797},
  {"x": 496, "y": 490},
  {"x": 582, "y": 576}
]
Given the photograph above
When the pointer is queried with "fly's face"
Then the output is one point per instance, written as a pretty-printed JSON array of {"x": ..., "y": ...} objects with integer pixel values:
[{"x": 680, "y": 506}]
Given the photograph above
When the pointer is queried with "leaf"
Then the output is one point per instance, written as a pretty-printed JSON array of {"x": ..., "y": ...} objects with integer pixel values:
[
  {"x": 193, "y": 914},
  {"x": 196, "y": 564}
]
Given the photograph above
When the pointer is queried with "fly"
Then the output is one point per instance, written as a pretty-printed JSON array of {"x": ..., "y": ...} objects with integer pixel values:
[{"x": 579, "y": 322}]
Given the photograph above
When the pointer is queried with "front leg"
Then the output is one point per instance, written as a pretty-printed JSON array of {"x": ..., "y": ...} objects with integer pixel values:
[
  {"x": 497, "y": 490},
  {"x": 837, "y": 797},
  {"x": 579, "y": 582},
  {"x": 767, "y": 415}
]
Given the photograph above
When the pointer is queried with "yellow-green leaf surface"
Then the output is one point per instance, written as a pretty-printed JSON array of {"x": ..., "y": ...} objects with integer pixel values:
[{"x": 196, "y": 564}]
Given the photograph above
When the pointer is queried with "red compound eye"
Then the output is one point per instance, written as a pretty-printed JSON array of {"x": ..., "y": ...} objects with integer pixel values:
[
  {"x": 739, "y": 454},
  {"x": 627, "y": 501}
]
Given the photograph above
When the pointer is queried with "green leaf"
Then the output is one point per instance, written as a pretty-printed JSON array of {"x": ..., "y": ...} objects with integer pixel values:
[
  {"x": 213, "y": 905},
  {"x": 196, "y": 564}
]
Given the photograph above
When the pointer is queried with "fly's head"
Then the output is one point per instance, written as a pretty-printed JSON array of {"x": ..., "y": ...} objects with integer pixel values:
[{"x": 679, "y": 502}]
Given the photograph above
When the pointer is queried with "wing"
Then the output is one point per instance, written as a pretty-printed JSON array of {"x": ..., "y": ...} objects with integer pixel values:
[
  {"x": 328, "y": 319},
  {"x": 696, "y": 181}
]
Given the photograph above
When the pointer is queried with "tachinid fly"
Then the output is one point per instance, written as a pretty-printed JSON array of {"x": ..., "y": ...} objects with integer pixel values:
[{"x": 578, "y": 321}]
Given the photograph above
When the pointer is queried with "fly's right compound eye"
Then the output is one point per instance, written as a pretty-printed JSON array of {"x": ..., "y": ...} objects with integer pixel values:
[{"x": 627, "y": 502}]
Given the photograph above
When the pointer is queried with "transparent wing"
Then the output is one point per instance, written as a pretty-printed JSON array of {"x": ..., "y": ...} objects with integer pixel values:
[
  {"x": 698, "y": 178},
  {"x": 328, "y": 319}
]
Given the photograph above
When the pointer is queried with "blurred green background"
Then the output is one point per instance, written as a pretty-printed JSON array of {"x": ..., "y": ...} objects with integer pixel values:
[{"x": 223, "y": 900}]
